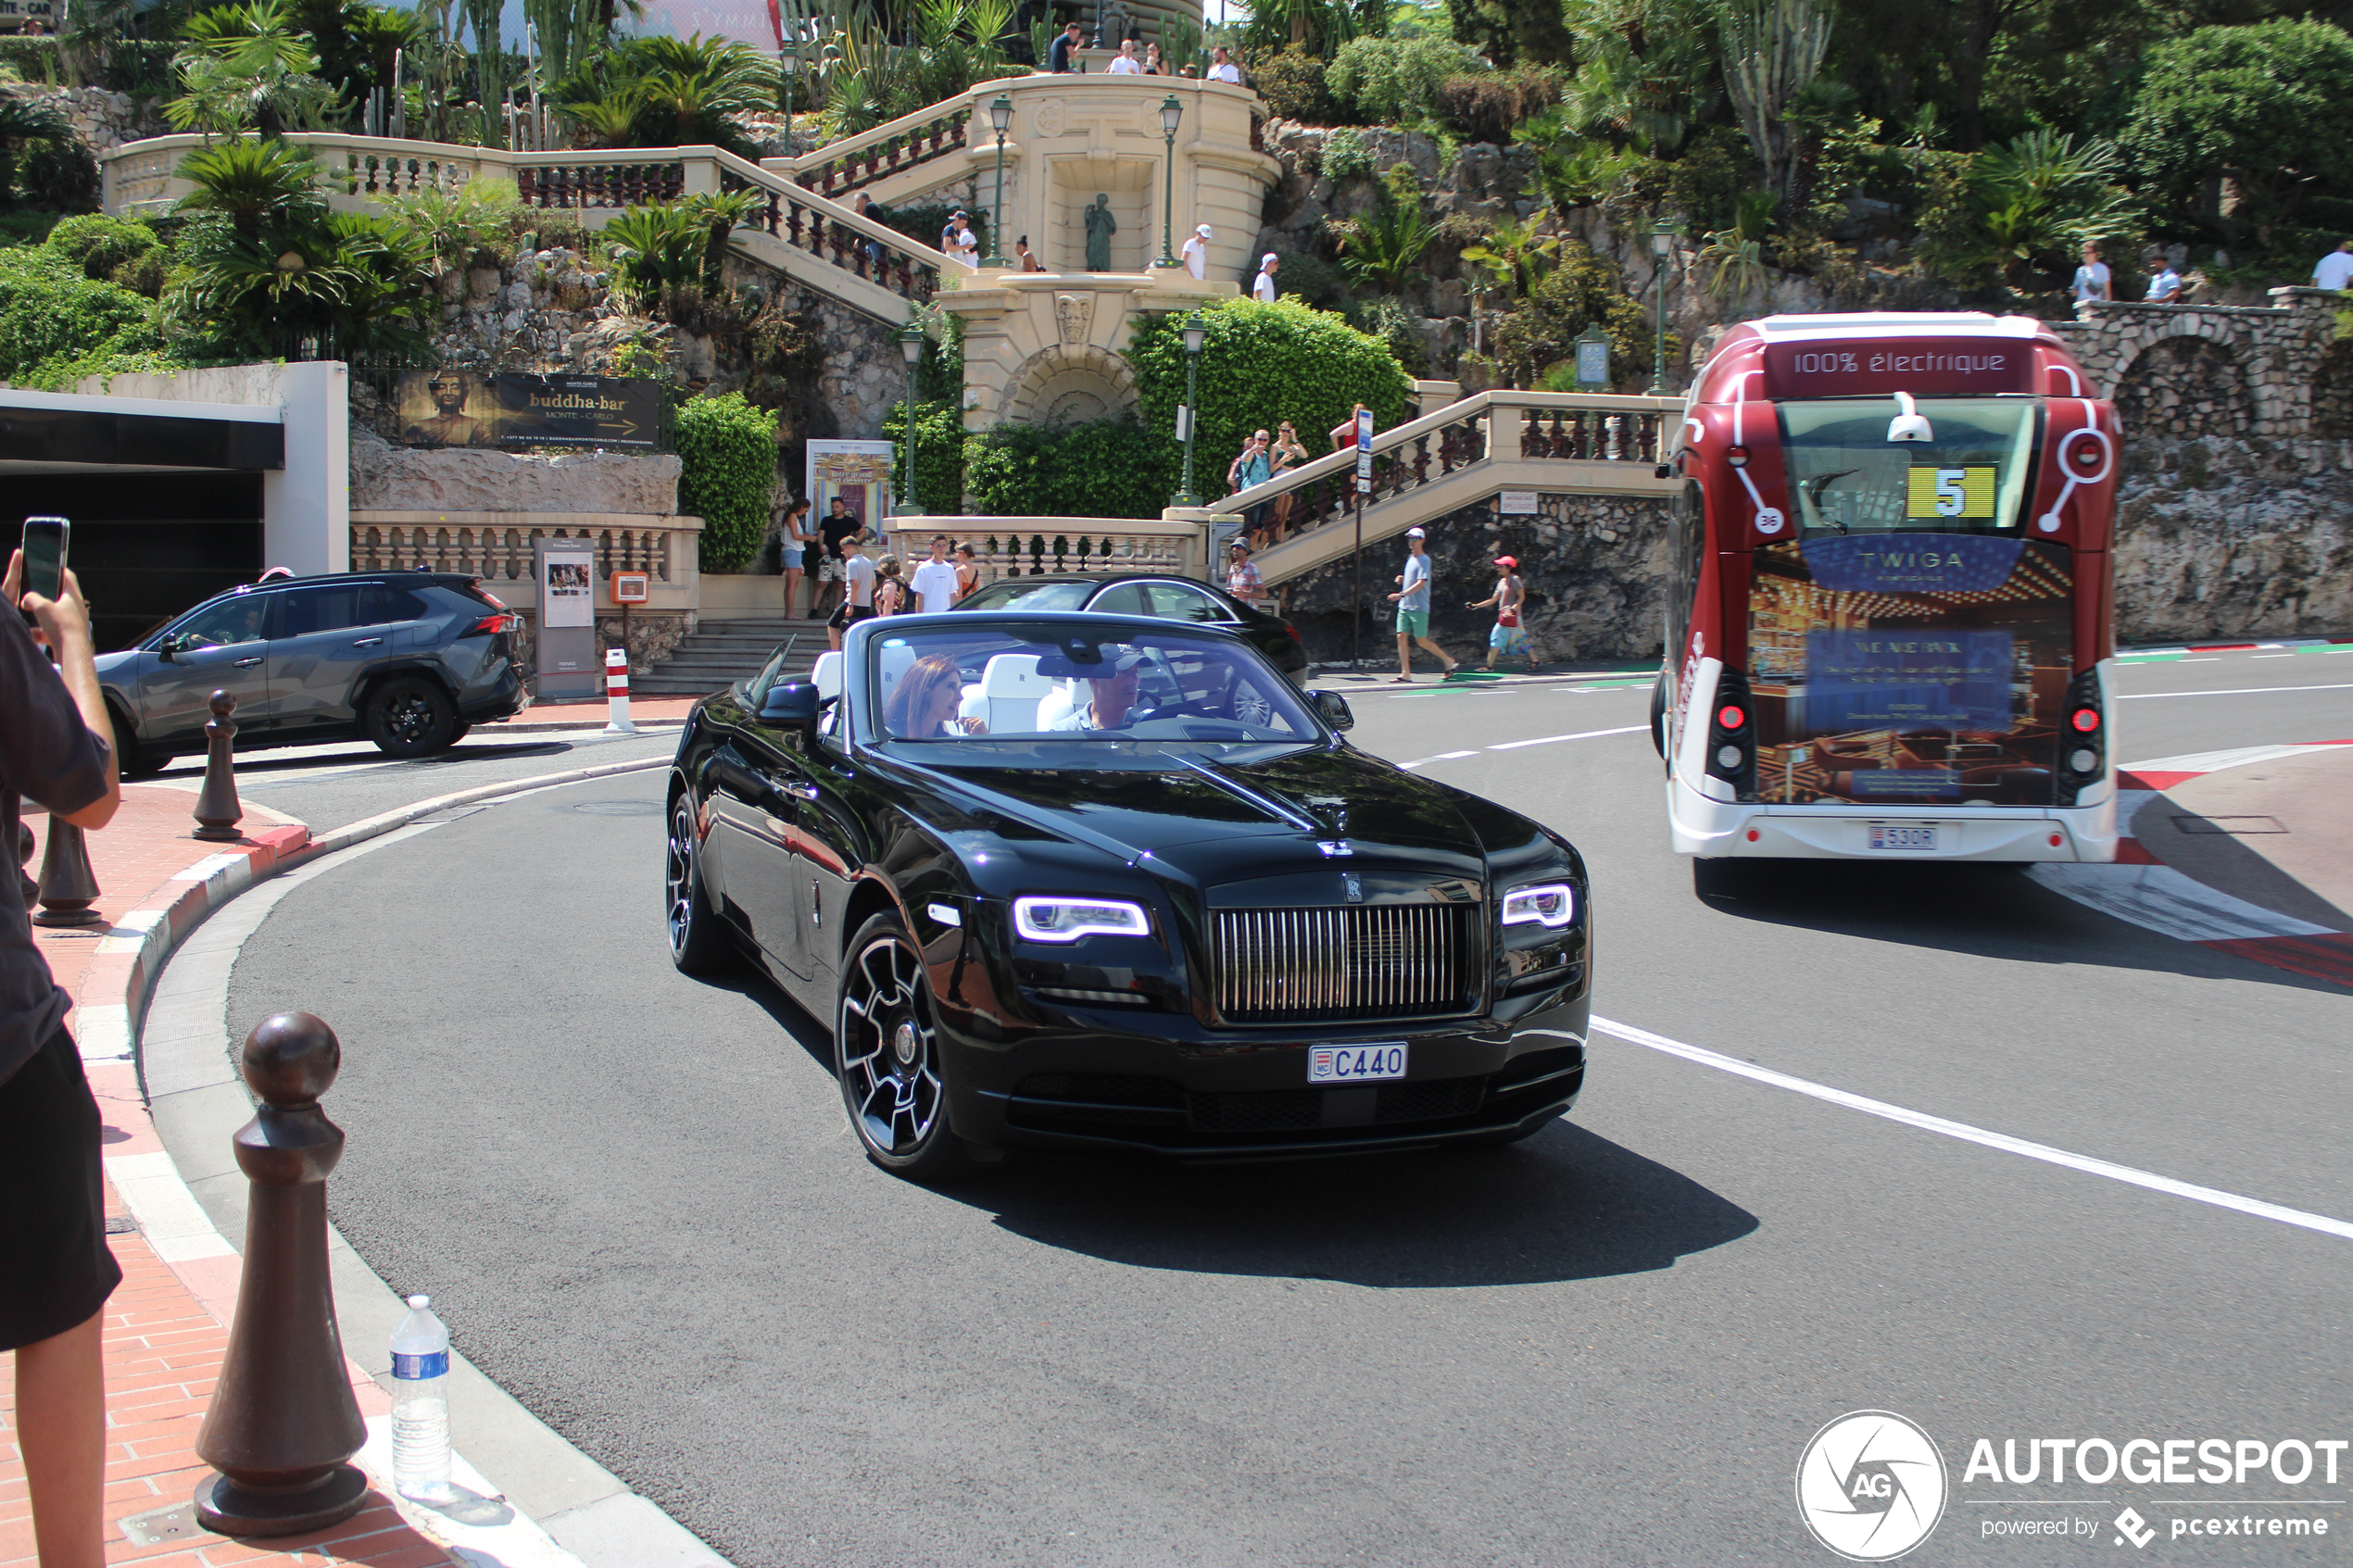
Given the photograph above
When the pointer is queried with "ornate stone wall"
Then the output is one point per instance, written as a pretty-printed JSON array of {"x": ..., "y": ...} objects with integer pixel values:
[{"x": 104, "y": 120}]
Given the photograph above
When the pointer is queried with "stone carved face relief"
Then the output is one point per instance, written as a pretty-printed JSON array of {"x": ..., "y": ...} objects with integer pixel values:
[
  {"x": 1074, "y": 313},
  {"x": 1048, "y": 118}
]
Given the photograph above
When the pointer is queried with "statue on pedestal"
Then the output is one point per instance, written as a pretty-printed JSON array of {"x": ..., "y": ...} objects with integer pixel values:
[
  {"x": 1113, "y": 24},
  {"x": 1101, "y": 227}
]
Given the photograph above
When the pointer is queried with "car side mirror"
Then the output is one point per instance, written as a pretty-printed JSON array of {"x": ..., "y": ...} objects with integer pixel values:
[
  {"x": 790, "y": 704},
  {"x": 1334, "y": 708}
]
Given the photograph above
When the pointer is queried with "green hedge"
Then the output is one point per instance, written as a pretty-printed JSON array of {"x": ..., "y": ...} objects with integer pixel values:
[
  {"x": 1109, "y": 468},
  {"x": 1261, "y": 364},
  {"x": 51, "y": 316},
  {"x": 727, "y": 449},
  {"x": 939, "y": 454}
]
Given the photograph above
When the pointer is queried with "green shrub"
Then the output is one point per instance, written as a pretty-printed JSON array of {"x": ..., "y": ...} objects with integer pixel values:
[
  {"x": 51, "y": 313},
  {"x": 1580, "y": 291},
  {"x": 939, "y": 454},
  {"x": 1395, "y": 81},
  {"x": 1107, "y": 468},
  {"x": 1346, "y": 153},
  {"x": 727, "y": 453},
  {"x": 1397, "y": 329},
  {"x": 1704, "y": 185},
  {"x": 1314, "y": 279},
  {"x": 1261, "y": 364},
  {"x": 1292, "y": 84},
  {"x": 1488, "y": 106},
  {"x": 99, "y": 245}
]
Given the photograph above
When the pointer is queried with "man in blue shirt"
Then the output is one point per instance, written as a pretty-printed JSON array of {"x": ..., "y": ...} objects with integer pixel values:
[{"x": 1412, "y": 600}]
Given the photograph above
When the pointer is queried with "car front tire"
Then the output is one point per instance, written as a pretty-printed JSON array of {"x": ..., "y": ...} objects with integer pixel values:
[
  {"x": 887, "y": 1055},
  {"x": 409, "y": 717},
  {"x": 133, "y": 760},
  {"x": 697, "y": 944}
]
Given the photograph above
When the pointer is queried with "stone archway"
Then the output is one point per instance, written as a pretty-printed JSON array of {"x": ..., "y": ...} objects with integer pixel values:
[
  {"x": 2332, "y": 393},
  {"x": 1071, "y": 384},
  {"x": 2179, "y": 388}
]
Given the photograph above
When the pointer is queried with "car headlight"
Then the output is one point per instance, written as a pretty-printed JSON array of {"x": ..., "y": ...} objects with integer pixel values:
[
  {"x": 1067, "y": 919},
  {"x": 1549, "y": 904}
]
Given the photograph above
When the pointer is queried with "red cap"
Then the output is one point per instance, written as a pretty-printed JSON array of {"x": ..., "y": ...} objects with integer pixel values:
[{"x": 1506, "y": 560}]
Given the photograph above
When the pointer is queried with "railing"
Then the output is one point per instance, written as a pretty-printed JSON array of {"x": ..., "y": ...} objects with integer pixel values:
[
  {"x": 1012, "y": 546},
  {"x": 607, "y": 185},
  {"x": 1527, "y": 425},
  {"x": 841, "y": 238},
  {"x": 503, "y": 554},
  {"x": 840, "y": 169}
]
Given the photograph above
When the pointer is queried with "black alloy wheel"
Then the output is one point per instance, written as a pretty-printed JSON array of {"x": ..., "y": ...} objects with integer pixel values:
[
  {"x": 133, "y": 760},
  {"x": 887, "y": 1055},
  {"x": 1658, "y": 714},
  {"x": 697, "y": 944},
  {"x": 409, "y": 716},
  {"x": 1250, "y": 707}
]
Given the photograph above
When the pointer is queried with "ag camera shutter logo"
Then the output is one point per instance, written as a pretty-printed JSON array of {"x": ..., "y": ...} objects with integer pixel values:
[{"x": 1871, "y": 1485}]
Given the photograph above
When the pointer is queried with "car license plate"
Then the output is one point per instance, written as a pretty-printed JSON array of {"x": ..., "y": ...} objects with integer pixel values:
[
  {"x": 1356, "y": 1064},
  {"x": 1886, "y": 837}
]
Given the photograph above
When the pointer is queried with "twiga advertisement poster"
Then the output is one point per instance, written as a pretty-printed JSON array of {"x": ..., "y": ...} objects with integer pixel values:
[{"x": 511, "y": 408}]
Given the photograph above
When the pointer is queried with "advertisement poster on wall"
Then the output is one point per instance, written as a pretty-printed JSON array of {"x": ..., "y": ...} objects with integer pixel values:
[
  {"x": 857, "y": 471},
  {"x": 511, "y": 408},
  {"x": 567, "y": 594}
]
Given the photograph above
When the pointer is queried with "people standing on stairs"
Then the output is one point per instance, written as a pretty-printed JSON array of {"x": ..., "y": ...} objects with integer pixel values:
[
  {"x": 1196, "y": 252},
  {"x": 890, "y": 593},
  {"x": 1412, "y": 600},
  {"x": 1344, "y": 433},
  {"x": 1254, "y": 466},
  {"x": 1510, "y": 599},
  {"x": 858, "y": 591},
  {"x": 839, "y": 523},
  {"x": 796, "y": 551},
  {"x": 870, "y": 211},
  {"x": 1287, "y": 454}
]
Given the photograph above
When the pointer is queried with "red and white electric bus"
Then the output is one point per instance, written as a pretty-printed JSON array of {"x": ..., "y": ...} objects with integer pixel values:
[{"x": 1890, "y": 629}]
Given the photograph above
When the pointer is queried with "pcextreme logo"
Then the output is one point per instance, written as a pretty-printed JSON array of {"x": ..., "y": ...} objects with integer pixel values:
[{"x": 1871, "y": 1485}]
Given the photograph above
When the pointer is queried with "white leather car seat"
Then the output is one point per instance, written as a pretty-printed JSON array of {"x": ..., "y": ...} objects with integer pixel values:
[
  {"x": 825, "y": 674},
  {"x": 896, "y": 660},
  {"x": 1011, "y": 690}
]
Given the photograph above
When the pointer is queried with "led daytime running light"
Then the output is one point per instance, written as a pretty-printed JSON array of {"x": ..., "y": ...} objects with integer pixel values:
[
  {"x": 1067, "y": 919},
  {"x": 1551, "y": 904}
]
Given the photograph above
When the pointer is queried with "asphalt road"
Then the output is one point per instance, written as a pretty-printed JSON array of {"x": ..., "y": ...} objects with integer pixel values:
[{"x": 636, "y": 1200}]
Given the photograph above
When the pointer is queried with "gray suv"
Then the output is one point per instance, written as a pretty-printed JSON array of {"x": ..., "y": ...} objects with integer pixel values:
[{"x": 407, "y": 659}]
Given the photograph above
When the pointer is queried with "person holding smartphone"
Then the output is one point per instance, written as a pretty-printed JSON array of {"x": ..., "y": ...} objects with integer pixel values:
[{"x": 55, "y": 1270}]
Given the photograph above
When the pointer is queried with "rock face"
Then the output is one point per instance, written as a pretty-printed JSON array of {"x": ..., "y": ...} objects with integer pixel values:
[
  {"x": 104, "y": 120},
  {"x": 387, "y": 478},
  {"x": 2225, "y": 537}
]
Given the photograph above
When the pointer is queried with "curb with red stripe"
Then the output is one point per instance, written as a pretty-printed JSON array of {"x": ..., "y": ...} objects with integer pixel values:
[{"x": 2143, "y": 890}]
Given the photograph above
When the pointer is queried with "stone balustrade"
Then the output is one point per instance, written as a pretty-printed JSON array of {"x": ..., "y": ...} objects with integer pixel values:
[
  {"x": 497, "y": 547},
  {"x": 1028, "y": 546}
]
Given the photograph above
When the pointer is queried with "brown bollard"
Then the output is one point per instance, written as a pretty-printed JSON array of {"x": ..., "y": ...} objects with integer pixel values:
[
  {"x": 217, "y": 812},
  {"x": 284, "y": 1424},
  {"x": 67, "y": 884}
]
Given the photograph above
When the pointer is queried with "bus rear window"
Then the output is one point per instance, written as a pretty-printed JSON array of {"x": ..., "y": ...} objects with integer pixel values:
[{"x": 1847, "y": 477}]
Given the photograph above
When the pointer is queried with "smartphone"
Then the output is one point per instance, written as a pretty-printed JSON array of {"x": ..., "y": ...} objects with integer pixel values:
[{"x": 44, "y": 555}]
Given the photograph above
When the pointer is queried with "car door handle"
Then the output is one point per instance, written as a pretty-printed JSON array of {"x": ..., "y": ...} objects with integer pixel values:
[
  {"x": 797, "y": 792},
  {"x": 250, "y": 663},
  {"x": 367, "y": 642}
]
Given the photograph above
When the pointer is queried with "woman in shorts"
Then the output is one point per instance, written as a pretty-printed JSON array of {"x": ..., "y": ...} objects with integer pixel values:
[{"x": 796, "y": 551}]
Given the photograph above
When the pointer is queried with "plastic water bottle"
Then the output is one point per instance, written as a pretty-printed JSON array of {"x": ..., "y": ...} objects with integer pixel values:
[{"x": 420, "y": 1403}]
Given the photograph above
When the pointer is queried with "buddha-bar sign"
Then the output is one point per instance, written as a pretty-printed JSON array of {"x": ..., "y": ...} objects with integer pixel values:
[
  {"x": 1936, "y": 367},
  {"x": 514, "y": 408}
]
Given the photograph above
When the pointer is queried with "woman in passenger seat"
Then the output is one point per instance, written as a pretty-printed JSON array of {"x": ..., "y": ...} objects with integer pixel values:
[{"x": 923, "y": 708}]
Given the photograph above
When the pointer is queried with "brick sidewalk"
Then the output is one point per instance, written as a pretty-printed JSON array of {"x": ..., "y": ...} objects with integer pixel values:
[{"x": 166, "y": 1324}]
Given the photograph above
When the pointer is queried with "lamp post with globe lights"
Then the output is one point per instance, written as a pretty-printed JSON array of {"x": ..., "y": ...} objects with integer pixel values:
[
  {"x": 1001, "y": 115},
  {"x": 1661, "y": 248},
  {"x": 1170, "y": 114},
  {"x": 911, "y": 347},
  {"x": 1196, "y": 333}
]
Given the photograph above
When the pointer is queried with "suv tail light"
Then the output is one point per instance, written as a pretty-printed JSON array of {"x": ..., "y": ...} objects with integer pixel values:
[
  {"x": 484, "y": 594},
  {"x": 491, "y": 625},
  {"x": 2083, "y": 738},
  {"x": 1731, "y": 735}
]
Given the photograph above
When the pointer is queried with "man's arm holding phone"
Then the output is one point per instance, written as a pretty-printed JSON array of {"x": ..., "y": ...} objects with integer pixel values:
[{"x": 52, "y": 755}]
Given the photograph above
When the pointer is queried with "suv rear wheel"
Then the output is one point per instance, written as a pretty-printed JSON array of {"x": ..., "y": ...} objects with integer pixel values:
[
  {"x": 131, "y": 760},
  {"x": 411, "y": 717}
]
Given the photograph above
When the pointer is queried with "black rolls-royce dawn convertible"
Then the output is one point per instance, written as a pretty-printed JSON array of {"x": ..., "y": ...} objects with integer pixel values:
[{"x": 1098, "y": 883}]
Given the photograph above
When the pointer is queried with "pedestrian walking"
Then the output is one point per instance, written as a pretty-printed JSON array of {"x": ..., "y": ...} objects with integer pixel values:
[
  {"x": 1510, "y": 599},
  {"x": 55, "y": 1270},
  {"x": 1126, "y": 62},
  {"x": 858, "y": 590},
  {"x": 1263, "y": 288},
  {"x": 1242, "y": 580},
  {"x": 2092, "y": 280},
  {"x": 1412, "y": 600},
  {"x": 936, "y": 580},
  {"x": 967, "y": 571},
  {"x": 870, "y": 210},
  {"x": 2334, "y": 271},
  {"x": 1058, "y": 57},
  {"x": 839, "y": 523},
  {"x": 795, "y": 547},
  {"x": 2165, "y": 284},
  {"x": 1287, "y": 454},
  {"x": 890, "y": 593},
  {"x": 1221, "y": 67},
  {"x": 1196, "y": 252}
]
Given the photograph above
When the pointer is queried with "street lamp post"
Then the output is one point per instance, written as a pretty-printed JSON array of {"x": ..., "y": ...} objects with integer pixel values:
[
  {"x": 1196, "y": 332},
  {"x": 1171, "y": 113},
  {"x": 1662, "y": 247},
  {"x": 1000, "y": 115},
  {"x": 911, "y": 347}
]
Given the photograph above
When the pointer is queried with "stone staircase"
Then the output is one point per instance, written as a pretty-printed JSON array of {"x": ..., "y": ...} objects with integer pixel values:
[{"x": 723, "y": 651}]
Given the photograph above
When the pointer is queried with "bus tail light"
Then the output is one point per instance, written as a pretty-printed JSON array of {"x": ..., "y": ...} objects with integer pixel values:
[
  {"x": 2082, "y": 740},
  {"x": 1731, "y": 735}
]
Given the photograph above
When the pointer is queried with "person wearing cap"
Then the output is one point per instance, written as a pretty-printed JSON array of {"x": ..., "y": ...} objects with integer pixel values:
[
  {"x": 1265, "y": 287},
  {"x": 1195, "y": 253},
  {"x": 1241, "y": 574},
  {"x": 1112, "y": 696},
  {"x": 1412, "y": 600},
  {"x": 1510, "y": 636}
]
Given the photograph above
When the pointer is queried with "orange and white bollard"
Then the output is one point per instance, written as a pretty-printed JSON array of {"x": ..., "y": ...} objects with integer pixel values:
[{"x": 617, "y": 693}]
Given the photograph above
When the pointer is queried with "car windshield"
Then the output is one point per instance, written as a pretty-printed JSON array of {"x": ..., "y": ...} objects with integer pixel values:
[
  {"x": 1015, "y": 594},
  {"x": 1969, "y": 477},
  {"x": 988, "y": 688}
]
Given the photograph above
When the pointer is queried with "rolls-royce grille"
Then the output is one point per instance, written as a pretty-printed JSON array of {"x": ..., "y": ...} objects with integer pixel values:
[{"x": 1380, "y": 960}]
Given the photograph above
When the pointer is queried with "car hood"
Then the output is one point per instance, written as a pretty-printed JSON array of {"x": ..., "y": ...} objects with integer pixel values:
[
  {"x": 1211, "y": 820},
  {"x": 123, "y": 659}
]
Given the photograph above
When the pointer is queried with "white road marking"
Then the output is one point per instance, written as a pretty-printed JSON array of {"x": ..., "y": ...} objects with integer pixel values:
[
  {"x": 2241, "y": 691},
  {"x": 2271, "y": 655},
  {"x": 1967, "y": 1134},
  {"x": 1588, "y": 734},
  {"x": 1441, "y": 757}
]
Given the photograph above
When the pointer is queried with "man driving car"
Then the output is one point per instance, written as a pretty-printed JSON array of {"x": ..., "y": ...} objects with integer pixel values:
[{"x": 1112, "y": 699}]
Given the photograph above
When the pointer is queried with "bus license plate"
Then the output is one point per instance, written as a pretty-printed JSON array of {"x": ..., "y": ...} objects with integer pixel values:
[
  {"x": 1885, "y": 837},
  {"x": 1356, "y": 1064}
]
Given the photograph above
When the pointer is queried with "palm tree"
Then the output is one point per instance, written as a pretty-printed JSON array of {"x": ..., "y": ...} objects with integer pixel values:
[
  {"x": 258, "y": 184},
  {"x": 21, "y": 122},
  {"x": 1514, "y": 254},
  {"x": 697, "y": 81},
  {"x": 247, "y": 66}
]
